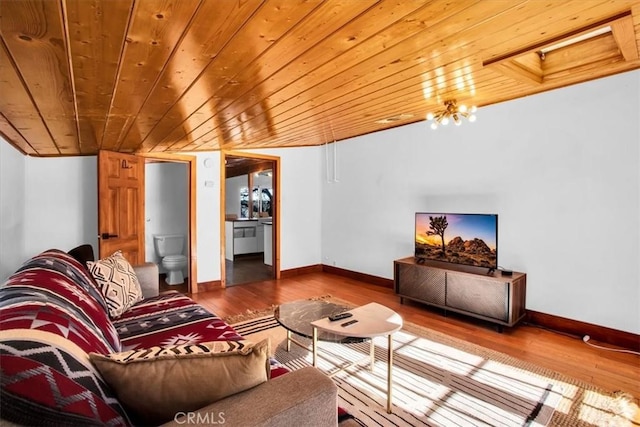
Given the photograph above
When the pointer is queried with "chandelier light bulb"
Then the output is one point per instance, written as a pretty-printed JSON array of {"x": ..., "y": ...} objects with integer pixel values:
[{"x": 452, "y": 112}]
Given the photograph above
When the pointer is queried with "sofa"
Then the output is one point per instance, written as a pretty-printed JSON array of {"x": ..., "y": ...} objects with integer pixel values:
[{"x": 56, "y": 333}]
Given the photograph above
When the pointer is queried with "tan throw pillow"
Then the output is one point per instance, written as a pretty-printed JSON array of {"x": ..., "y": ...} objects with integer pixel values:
[
  {"x": 117, "y": 281},
  {"x": 157, "y": 383}
]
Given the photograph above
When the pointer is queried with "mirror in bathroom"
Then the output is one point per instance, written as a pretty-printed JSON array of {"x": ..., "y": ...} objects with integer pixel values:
[
  {"x": 262, "y": 202},
  {"x": 258, "y": 203}
]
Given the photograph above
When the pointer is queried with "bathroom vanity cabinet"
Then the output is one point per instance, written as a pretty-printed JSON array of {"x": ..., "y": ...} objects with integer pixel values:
[
  {"x": 245, "y": 236},
  {"x": 241, "y": 238}
]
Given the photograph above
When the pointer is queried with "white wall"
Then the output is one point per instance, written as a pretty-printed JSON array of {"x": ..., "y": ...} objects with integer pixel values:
[
  {"x": 232, "y": 193},
  {"x": 262, "y": 181},
  {"x": 208, "y": 216},
  {"x": 561, "y": 169},
  {"x": 61, "y": 203},
  {"x": 46, "y": 203},
  {"x": 300, "y": 206},
  {"x": 166, "y": 204},
  {"x": 12, "y": 209}
]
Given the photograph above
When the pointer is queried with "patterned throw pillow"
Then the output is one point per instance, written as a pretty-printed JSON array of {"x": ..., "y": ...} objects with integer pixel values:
[
  {"x": 155, "y": 384},
  {"x": 117, "y": 281}
]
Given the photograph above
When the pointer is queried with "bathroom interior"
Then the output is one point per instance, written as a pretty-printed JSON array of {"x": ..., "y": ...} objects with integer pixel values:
[{"x": 167, "y": 222}]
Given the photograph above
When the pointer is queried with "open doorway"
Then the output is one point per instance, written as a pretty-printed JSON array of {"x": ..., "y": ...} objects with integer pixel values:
[
  {"x": 166, "y": 206},
  {"x": 170, "y": 211},
  {"x": 250, "y": 217}
]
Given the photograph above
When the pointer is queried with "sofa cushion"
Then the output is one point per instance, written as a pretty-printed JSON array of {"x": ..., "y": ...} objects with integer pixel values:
[
  {"x": 117, "y": 281},
  {"x": 182, "y": 378},
  {"x": 170, "y": 319}
]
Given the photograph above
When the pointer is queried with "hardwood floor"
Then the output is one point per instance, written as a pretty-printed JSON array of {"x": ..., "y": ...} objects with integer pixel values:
[
  {"x": 247, "y": 268},
  {"x": 565, "y": 354},
  {"x": 162, "y": 283}
]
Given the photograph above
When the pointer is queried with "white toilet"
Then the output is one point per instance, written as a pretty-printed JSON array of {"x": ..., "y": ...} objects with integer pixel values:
[{"x": 169, "y": 248}]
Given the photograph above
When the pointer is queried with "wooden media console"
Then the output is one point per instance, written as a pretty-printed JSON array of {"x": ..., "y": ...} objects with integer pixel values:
[{"x": 463, "y": 289}]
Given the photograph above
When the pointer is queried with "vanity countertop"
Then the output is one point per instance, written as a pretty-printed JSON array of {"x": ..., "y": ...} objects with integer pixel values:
[{"x": 263, "y": 220}]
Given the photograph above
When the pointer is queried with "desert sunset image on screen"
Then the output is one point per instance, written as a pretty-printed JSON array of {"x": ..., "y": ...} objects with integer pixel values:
[{"x": 469, "y": 239}]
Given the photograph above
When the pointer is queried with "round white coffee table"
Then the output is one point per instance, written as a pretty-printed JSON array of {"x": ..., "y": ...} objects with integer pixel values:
[{"x": 373, "y": 320}]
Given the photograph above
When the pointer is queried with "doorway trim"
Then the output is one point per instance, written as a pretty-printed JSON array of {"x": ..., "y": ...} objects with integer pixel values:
[
  {"x": 192, "y": 164},
  {"x": 275, "y": 216}
]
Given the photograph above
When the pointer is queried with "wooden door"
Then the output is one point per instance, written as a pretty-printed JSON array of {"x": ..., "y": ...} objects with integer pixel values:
[{"x": 121, "y": 205}]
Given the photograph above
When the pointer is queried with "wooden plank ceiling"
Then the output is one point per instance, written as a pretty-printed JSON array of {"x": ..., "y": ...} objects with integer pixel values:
[{"x": 189, "y": 75}]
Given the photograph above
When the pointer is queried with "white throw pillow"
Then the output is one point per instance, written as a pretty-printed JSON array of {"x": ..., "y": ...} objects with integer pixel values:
[{"x": 117, "y": 281}]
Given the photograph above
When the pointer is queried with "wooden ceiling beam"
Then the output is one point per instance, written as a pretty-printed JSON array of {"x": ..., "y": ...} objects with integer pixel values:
[
  {"x": 624, "y": 34},
  {"x": 515, "y": 71}
]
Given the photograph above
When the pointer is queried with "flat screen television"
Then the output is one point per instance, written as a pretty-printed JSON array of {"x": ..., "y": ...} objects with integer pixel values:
[{"x": 467, "y": 239}]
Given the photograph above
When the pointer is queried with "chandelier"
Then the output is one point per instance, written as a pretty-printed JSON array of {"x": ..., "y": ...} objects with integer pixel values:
[{"x": 454, "y": 112}]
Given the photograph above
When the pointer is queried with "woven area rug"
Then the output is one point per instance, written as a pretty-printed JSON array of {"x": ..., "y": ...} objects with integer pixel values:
[{"x": 443, "y": 381}]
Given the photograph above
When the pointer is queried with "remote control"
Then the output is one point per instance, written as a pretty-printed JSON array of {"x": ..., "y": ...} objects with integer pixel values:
[
  {"x": 339, "y": 316},
  {"x": 350, "y": 322}
]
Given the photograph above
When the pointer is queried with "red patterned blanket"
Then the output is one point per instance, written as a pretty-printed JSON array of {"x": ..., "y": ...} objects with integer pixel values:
[
  {"x": 52, "y": 315},
  {"x": 170, "y": 319}
]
